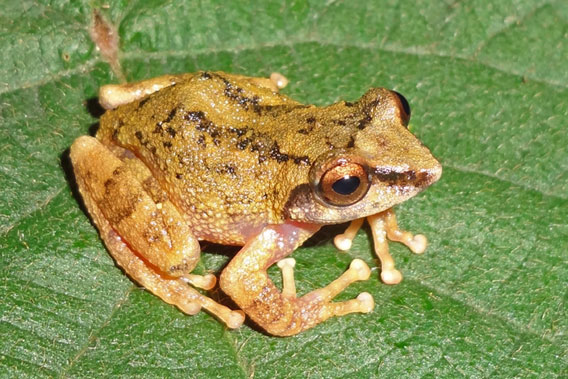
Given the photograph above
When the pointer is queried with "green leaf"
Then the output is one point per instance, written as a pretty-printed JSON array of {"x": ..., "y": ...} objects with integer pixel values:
[{"x": 488, "y": 84}]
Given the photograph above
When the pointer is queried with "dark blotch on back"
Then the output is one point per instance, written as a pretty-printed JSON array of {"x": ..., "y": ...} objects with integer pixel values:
[
  {"x": 195, "y": 116},
  {"x": 311, "y": 124},
  {"x": 201, "y": 141},
  {"x": 364, "y": 122},
  {"x": 302, "y": 160},
  {"x": 143, "y": 101},
  {"x": 203, "y": 124},
  {"x": 227, "y": 169},
  {"x": 351, "y": 142},
  {"x": 367, "y": 118},
  {"x": 276, "y": 154},
  {"x": 241, "y": 145},
  {"x": 171, "y": 115},
  {"x": 238, "y": 131},
  {"x": 236, "y": 93}
]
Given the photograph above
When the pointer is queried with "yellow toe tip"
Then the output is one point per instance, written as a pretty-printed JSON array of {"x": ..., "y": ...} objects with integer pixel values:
[
  {"x": 392, "y": 276},
  {"x": 236, "y": 319},
  {"x": 342, "y": 243},
  {"x": 363, "y": 271},
  {"x": 367, "y": 302}
]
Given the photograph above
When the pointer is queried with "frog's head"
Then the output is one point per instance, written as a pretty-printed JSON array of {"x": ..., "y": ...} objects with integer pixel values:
[{"x": 383, "y": 165}]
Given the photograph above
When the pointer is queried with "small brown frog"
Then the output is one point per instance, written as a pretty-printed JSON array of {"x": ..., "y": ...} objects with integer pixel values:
[{"x": 227, "y": 159}]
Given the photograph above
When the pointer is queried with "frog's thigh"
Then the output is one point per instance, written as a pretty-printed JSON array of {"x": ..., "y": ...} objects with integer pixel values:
[
  {"x": 155, "y": 230},
  {"x": 94, "y": 166},
  {"x": 113, "y": 95}
]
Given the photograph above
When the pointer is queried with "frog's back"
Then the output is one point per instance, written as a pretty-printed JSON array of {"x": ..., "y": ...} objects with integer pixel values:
[{"x": 202, "y": 138}]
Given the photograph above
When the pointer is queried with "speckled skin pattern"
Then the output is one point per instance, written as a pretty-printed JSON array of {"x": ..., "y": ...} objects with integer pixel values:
[{"x": 231, "y": 155}]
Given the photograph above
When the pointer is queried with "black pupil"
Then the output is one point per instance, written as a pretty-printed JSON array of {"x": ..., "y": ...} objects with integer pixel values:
[{"x": 346, "y": 185}]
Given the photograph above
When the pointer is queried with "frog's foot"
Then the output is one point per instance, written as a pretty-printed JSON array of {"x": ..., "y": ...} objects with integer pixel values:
[
  {"x": 416, "y": 243},
  {"x": 344, "y": 241},
  {"x": 364, "y": 303},
  {"x": 281, "y": 312},
  {"x": 172, "y": 290},
  {"x": 383, "y": 226},
  {"x": 321, "y": 298}
]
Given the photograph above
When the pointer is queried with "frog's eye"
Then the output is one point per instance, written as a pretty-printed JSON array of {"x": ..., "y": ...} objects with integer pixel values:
[
  {"x": 405, "y": 108},
  {"x": 344, "y": 183}
]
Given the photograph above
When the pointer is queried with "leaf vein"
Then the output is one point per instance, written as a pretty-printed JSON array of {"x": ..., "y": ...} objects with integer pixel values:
[
  {"x": 523, "y": 186},
  {"x": 393, "y": 48},
  {"x": 39, "y": 205},
  {"x": 509, "y": 25},
  {"x": 83, "y": 349}
]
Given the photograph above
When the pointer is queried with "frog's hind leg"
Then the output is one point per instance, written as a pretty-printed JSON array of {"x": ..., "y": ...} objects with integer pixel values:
[
  {"x": 141, "y": 228},
  {"x": 113, "y": 95}
]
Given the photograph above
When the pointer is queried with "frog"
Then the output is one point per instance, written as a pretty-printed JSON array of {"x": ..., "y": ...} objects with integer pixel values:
[{"x": 229, "y": 159}]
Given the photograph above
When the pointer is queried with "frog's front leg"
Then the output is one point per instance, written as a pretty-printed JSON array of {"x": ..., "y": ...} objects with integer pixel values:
[
  {"x": 282, "y": 313},
  {"x": 383, "y": 226},
  {"x": 142, "y": 229}
]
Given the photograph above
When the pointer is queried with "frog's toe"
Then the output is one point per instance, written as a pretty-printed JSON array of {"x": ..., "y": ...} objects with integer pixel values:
[
  {"x": 279, "y": 80},
  {"x": 391, "y": 276},
  {"x": 235, "y": 319},
  {"x": 288, "y": 283},
  {"x": 358, "y": 270},
  {"x": 317, "y": 305},
  {"x": 418, "y": 244},
  {"x": 344, "y": 241},
  {"x": 367, "y": 303}
]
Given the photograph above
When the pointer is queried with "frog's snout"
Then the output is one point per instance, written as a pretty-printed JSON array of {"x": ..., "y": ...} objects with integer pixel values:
[
  {"x": 429, "y": 173},
  {"x": 434, "y": 173}
]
